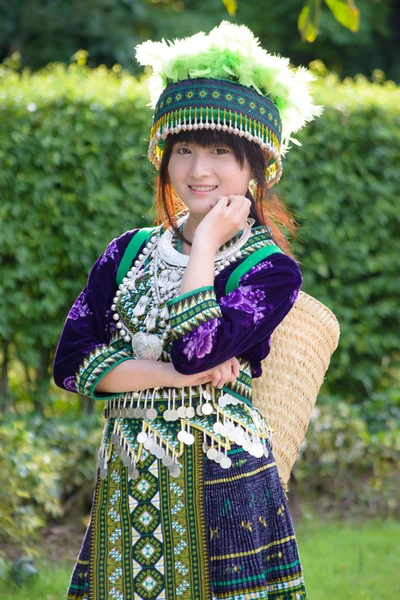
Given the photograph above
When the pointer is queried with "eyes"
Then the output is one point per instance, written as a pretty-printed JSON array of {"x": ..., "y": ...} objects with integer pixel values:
[{"x": 185, "y": 151}]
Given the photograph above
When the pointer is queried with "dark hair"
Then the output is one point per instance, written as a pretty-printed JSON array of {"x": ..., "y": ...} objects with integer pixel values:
[{"x": 266, "y": 209}]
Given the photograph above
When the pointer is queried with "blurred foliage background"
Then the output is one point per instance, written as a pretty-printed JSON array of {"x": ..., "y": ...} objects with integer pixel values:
[
  {"x": 74, "y": 126},
  {"x": 53, "y": 30}
]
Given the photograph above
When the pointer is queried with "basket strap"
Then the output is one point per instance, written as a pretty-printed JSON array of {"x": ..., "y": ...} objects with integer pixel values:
[
  {"x": 131, "y": 251},
  {"x": 248, "y": 263}
]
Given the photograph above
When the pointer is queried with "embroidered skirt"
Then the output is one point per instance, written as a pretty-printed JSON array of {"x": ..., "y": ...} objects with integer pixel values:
[{"x": 206, "y": 534}]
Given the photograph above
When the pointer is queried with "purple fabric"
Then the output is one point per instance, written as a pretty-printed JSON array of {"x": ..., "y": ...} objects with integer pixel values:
[
  {"x": 89, "y": 323},
  {"x": 199, "y": 342},
  {"x": 250, "y": 315}
]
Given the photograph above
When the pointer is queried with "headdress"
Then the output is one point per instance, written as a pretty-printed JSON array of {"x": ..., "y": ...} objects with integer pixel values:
[{"x": 225, "y": 81}]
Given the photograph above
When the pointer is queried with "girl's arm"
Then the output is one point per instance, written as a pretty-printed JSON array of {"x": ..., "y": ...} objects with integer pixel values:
[
  {"x": 207, "y": 331},
  {"x": 135, "y": 375},
  {"x": 84, "y": 353}
]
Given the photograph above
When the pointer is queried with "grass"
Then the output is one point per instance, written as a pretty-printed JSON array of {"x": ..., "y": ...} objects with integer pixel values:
[
  {"x": 341, "y": 561},
  {"x": 350, "y": 561}
]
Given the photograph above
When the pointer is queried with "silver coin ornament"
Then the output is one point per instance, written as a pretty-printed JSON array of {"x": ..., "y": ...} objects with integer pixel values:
[
  {"x": 151, "y": 414},
  {"x": 133, "y": 473},
  {"x": 219, "y": 457},
  {"x": 190, "y": 439},
  {"x": 181, "y": 412},
  {"x": 190, "y": 412},
  {"x": 141, "y": 437},
  {"x": 226, "y": 462},
  {"x": 182, "y": 436},
  {"x": 167, "y": 460},
  {"x": 207, "y": 409},
  {"x": 212, "y": 453},
  {"x": 173, "y": 415}
]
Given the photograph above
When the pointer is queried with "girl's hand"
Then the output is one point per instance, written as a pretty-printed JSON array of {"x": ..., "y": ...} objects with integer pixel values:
[
  {"x": 226, "y": 372},
  {"x": 226, "y": 218}
]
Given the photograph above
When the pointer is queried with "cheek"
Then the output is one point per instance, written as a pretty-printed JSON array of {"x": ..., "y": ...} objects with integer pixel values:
[{"x": 177, "y": 173}]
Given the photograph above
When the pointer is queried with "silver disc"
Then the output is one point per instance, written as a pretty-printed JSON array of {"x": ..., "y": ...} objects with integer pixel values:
[
  {"x": 126, "y": 461},
  {"x": 205, "y": 446},
  {"x": 101, "y": 462},
  {"x": 189, "y": 439},
  {"x": 266, "y": 453},
  {"x": 167, "y": 460},
  {"x": 131, "y": 412},
  {"x": 190, "y": 412},
  {"x": 141, "y": 437},
  {"x": 217, "y": 427},
  {"x": 199, "y": 410},
  {"x": 137, "y": 413},
  {"x": 207, "y": 408},
  {"x": 147, "y": 444},
  {"x": 124, "y": 412},
  {"x": 223, "y": 430},
  {"x": 212, "y": 453},
  {"x": 246, "y": 445},
  {"x": 182, "y": 436},
  {"x": 166, "y": 415},
  {"x": 160, "y": 453},
  {"x": 114, "y": 438},
  {"x": 258, "y": 450},
  {"x": 103, "y": 473},
  {"x": 219, "y": 457},
  {"x": 225, "y": 462},
  {"x": 134, "y": 473},
  {"x": 151, "y": 414},
  {"x": 232, "y": 435},
  {"x": 207, "y": 395},
  {"x": 173, "y": 415},
  {"x": 181, "y": 412},
  {"x": 175, "y": 473}
]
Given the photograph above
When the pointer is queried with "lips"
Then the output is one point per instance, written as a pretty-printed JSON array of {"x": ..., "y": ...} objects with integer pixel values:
[{"x": 203, "y": 189}]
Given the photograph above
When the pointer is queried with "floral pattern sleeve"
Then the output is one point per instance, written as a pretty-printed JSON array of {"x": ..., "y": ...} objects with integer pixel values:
[
  {"x": 208, "y": 330},
  {"x": 84, "y": 353}
]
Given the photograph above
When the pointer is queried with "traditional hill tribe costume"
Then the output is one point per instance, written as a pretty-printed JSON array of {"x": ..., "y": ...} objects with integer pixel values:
[{"x": 188, "y": 504}]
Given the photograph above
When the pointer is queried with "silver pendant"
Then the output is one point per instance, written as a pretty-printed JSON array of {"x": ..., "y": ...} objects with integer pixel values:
[
  {"x": 151, "y": 414},
  {"x": 207, "y": 408},
  {"x": 181, "y": 412},
  {"x": 190, "y": 412},
  {"x": 147, "y": 346}
]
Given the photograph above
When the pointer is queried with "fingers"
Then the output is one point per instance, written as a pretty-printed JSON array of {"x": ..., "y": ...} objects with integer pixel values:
[{"x": 227, "y": 372}]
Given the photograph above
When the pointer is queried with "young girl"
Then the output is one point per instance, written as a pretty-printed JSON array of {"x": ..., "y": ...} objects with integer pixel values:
[{"x": 173, "y": 325}]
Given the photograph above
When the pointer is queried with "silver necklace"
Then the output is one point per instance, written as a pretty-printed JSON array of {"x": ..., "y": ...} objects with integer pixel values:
[{"x": 166, "y": 267}]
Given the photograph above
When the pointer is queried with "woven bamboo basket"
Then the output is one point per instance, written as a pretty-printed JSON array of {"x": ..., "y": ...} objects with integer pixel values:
[{"x": 293, "y": 373}]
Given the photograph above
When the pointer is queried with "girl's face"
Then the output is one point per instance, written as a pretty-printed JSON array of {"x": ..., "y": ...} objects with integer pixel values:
[{"x": 200, "y": 175}]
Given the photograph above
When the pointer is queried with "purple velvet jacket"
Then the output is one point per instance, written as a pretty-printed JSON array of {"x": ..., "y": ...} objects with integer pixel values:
[{"x": 247, "y": 317}]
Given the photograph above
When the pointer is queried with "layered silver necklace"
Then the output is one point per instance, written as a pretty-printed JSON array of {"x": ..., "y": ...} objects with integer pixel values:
[{"x": 166, "y": 267}]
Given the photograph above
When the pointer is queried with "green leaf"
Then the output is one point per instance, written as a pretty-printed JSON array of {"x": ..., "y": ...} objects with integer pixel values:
[
  {"x": 346, "y": 13},
  {"x": 231, "y": 6},
  {"x": 307, "y": 24}
]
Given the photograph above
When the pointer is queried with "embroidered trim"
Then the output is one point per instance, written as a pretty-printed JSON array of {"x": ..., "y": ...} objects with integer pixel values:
[
  {"x": 96, "y": 365},
  {"x": 196, "y": 308}
]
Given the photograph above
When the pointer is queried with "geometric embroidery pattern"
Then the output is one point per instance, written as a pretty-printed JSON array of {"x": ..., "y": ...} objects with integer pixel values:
[{"x": 192, "y": 310}]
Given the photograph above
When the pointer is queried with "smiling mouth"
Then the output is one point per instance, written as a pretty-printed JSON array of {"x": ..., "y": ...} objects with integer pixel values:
[{"x": 203, "y": 188}]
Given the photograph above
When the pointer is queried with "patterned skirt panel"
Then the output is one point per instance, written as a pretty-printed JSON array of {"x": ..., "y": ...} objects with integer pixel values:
[{"x": 207, "y": 534}]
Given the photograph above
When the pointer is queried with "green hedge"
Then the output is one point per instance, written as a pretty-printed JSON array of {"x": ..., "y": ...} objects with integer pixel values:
[{"x": 74, "y": 174}]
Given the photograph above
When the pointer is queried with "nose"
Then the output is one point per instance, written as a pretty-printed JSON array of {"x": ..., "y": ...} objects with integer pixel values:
[{"x": 200, "y": 167}]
